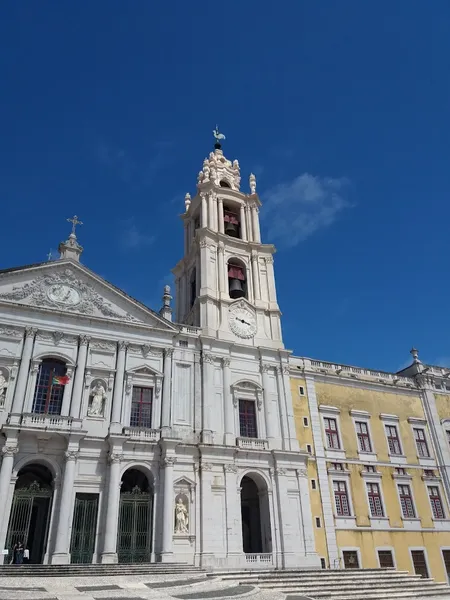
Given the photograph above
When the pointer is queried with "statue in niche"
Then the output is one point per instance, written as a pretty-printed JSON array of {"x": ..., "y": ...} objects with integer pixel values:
[
  {"x": 181, "y": 517},
  {"x": 98, "y": 396},
  {"x": 3, "y": 387}
]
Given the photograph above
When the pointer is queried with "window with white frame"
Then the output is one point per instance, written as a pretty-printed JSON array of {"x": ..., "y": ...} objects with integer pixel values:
[
  {"x": 406, "y": 501},
  {"x": 393, "y": 440},
  {"x": 341, "y": 498},
  {"x": 331, "y": 433},
  {"x": 421, "y": 442},
  {"x": 362, "y": 432},
  {"x": 375, "y": 502},
  {"x": 437, "y": 507}
]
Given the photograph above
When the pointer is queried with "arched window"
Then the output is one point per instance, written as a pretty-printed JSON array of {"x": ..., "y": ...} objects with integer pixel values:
[
  {"x": 225, "y": 184},
  {"x": 192, "y": 287},
  {"x": 237, "y": 280},
  {"x": 50, "y": 384}
]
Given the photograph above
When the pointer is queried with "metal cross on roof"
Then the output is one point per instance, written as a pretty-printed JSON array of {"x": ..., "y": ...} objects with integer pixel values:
[{"x": 74, "y": 220}]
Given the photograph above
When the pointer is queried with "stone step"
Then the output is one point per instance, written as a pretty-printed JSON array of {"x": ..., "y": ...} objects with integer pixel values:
[
  {"x": 93, "y": 570},
  {"x": 334, "y": 590},
  {"x": 285, "y": 572},
  {"x": 325, "y": 577},
  {"x": 327, "y": 583},
  {"x": 435, "y": 590}
]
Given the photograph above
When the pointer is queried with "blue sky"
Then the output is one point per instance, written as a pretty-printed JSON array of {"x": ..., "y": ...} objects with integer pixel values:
[{"x": 340, "y": 108}]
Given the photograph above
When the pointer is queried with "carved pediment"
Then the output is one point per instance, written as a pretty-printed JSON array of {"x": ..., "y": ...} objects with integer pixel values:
[{"x": 72, "y": 288}]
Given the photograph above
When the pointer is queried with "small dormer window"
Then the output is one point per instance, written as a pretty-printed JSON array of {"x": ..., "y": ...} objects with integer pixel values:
[{"x": 225, "y": 184}]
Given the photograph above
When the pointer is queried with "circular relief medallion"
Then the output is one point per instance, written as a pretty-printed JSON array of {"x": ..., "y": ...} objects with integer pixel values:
[
  {"x": 60, "y": 293},
  {"x": 242, "y": 321}
]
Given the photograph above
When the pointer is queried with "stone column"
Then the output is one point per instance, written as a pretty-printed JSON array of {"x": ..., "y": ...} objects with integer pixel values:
[
  {"x": 234, "y": 519},
  {"x": 282, "y": 407},
  {"x": 305, "y": 506},
  {"x": 220, "y": 215},
  {"x": 77, "y": 392},
  {"x": 8, "y": 451},
  {"x": 221, "y": 267},
  {"x": 67, "y": 393},
  {"x": 287, "y": 402},
  {"x": 208, "y": 380},
  {"x": 118, "y": 383},
  {"x": 230, "y": 436},
  {"x": 168, "y": 510},
  {"x": 166, "y": 395},
  {"x": 248, "y": 222},
  {"x": 211, "y": 211},
  {"x": 109, "y": 554},
  {"x": 267, "y": 402},
  {"x": 22, "y": 377},
  {"x": 204, "y": 211},
  {"x": 61, "y": 554},
  {"x": 243, "y": 223},
  {"x": 255, "y": 221},
  {"x": 255, "y": 272}
]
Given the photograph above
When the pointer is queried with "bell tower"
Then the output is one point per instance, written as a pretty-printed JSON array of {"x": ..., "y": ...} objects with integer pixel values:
[{"x": 225, "y": 281}]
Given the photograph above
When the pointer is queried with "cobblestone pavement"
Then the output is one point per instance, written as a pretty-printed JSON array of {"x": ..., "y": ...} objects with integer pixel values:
[{"x": 131, "y": 587}]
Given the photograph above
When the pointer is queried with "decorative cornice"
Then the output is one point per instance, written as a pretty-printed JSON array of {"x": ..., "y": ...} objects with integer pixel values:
[{"x": 230, "y": 468}]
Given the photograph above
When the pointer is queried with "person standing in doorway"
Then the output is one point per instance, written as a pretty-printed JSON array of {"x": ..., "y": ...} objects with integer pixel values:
[{"x": 18, "y": 554}]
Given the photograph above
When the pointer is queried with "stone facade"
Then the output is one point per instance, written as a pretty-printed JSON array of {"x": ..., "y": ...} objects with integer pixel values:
[{"x": 128, "y": 437}]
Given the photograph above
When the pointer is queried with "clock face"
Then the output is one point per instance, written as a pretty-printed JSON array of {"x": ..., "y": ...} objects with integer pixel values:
[
  {"x": 242, "y": 321},
  {"x": 63, "y": 294}
]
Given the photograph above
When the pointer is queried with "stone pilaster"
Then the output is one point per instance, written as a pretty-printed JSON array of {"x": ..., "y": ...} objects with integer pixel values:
[
  {"x": 118, "y": 383},
  {"x": 167, "y": 393},
  {"x": 109, "y": 554},
  {"x": 168, "y": 510},
  {"x": 22, "y": 377},
  {"x": 61, "y": 554},
  {"x": 77, "y": 391},
  {"x": 208, "y": 378},
  {"x": 269, "y": 417},
  {"x": 230, "y": 435}
]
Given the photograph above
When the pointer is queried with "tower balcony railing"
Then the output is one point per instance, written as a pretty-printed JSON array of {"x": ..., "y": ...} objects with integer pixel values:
[
  {"x": 142, "y": 434},
  {"x": 252, "y": 443},
  {"x": 50, "y": 422}
]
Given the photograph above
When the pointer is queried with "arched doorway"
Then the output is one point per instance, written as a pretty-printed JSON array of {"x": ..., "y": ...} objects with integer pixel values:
[
  {"x": 256, "y": 531},
  {"x": 30, "y": 511},
  {"x": 134, "y": 538}
]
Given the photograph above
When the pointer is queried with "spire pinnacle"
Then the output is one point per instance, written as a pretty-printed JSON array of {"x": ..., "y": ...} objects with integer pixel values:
[
  {"x": 166, "y": 310},
  {"x": 71, "y": 248}
]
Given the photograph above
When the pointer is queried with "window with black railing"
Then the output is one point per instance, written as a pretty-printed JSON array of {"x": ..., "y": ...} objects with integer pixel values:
[{"x": 49, "y": 390}]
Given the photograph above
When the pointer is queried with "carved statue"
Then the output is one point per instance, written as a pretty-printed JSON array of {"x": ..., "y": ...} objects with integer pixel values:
[
  {"x": 181, "y": 517},
  {"x": 3, "y": 387},
  {"x": 252, "y": 180},
  {"x": 98, "y": 396}
]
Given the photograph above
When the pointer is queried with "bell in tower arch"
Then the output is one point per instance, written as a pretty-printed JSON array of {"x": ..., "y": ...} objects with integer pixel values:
[
  {"x": 236, "y": 289},
  {"x": 236, "y": 281},
  {"x": 231, "y": 229}
]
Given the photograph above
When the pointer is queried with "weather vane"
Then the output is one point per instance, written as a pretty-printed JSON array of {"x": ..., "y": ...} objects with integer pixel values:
[{"x": 218, "y": 136}]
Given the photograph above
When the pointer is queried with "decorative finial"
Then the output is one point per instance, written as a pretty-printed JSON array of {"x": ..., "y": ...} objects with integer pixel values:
[
  {"x": 49, "y": 255},
  {"x": 166, "y": 310},
  {"x": 252, "y": 181},
  {"x": 74, "y": 220},
  {"x": 187, "y": 201},
  {"x": 218, "y": 137},
  {"x": 415, "y": 354}
]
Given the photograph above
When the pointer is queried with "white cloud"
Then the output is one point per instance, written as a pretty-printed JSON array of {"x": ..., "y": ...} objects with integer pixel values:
[
  {"x": 132, "y": 238},
  {"x": 295, "y": 210}
]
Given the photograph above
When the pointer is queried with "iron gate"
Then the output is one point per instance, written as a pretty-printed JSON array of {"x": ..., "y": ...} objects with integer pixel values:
[
  {"x": 84, "y": 528},
  {"x": 134, "y": 531},
  {"x": 29, "y": 519}
]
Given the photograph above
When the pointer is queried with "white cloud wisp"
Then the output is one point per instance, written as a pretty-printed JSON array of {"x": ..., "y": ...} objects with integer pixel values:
[{"x": 295, "y": 210}]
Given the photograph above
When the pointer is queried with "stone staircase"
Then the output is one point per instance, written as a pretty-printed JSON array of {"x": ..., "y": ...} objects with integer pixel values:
[
  {"x": 350, "y": 584},
  {"x": 96, "y": 570}
]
